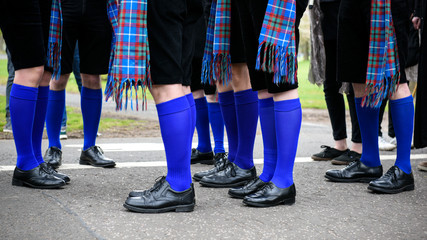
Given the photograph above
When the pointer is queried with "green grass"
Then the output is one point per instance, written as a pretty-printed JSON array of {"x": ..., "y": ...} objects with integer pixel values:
[{"x": 311, "y": 95}]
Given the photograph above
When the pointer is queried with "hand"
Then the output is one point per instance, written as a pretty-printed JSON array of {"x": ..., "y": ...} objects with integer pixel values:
[{"x": 416, "y": 21}]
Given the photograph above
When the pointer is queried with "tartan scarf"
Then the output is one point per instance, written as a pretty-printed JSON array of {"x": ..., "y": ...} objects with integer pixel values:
[
  {"x": 129, "y": 58},
  {"x": 216, "y": 65},
  {"x": 277, "y": 51},
  {"x": 54, "y": 46},
  {"x": 383, "y": 73},
  {"x": 130, "y": 61}
]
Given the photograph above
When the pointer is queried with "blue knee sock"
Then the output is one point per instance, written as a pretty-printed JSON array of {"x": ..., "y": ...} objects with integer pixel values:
[
  {"x": 217, "y": 125},
  {"x": 55, "y": 110},
  {"x": 402, "y": 112},
  {"x": 22, "y": 106},
  {"x": 228, "y": 110},
  {"x": 39, "y": 119},
  {"x": 368, "y": 124},
  {"x": 202, "y": 125},
  {"x": 192, "y": 104},
  {"x": 268, "y": 128},
  {"x": 247, "y": 119},
  {"x": 91, "y": 105},
  {"x": 175, "y": 124},
  {"x": 288, "y": 117}
]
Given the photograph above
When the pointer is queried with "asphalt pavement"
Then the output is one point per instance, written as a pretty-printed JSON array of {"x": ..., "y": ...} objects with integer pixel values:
[{"x": 90, "y": 207}]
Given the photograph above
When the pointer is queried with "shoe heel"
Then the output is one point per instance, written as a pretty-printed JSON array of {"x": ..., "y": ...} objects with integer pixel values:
[
  {"x": 289, "y": 201},
  {"x": 17, "y": 182},
  {"x": 185, "y": 208}
]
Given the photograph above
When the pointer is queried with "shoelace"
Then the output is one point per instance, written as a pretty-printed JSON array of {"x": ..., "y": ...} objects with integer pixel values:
[
  {"x": 351, "y": 164},
  {"x": 99, "y": 149},
  {"x": 157, "y": 184},
  {"x": 390, "y": 173}
]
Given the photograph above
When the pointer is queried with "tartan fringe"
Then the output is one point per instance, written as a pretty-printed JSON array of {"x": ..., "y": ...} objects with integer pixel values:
[
  {"x": 116, "y": 87},
  {"x": 376, "y": 93},
  {"x": 216, "y": 68},
  {"x": 278, "y": 60},
  {"x": 54, "y": 59}
]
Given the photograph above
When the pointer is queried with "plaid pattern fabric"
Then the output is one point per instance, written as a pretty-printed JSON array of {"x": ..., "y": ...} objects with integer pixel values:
[
  {"x": 130, "y": 67},
  {"x": 216, "y": 64},
  {"x": 383, "y": 73},
  {"x": 277, "y": 50},
  {"x": 55, "y": 39}
]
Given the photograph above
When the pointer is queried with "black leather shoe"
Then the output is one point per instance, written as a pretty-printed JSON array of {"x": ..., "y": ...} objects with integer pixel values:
[
  {"x": 355, "y": 172},
  {"x": 162, "y": 198},
  {"x": 221, "y": 162},
  {"x": 346, "y": 158},
  {"x": 95, "y": 156},
  {"x": 36, "y": 178},
  {"x": 231, "y": 176},
  {"x": 53, "y": 157},
  {"x": 49, "y": 169},
  {"x": 200, "y": 157},
  {"x": 251, "y": 187},
  {"x": 271, "y": 195},
  {"x": 394, "y": 181},
  {"x": 328, "y": 153}
]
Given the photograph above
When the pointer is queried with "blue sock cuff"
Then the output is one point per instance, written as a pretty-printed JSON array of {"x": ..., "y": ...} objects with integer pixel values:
[
  {"x": 43, "y": 92},
  {"x": 408, "y": 99},
  {"x": 358, "y": 100},
  {"x": 24, "y": 92},
  {"x": 56, "y": 95},
  {"x": 190, "y": 99},
  {"x": 201, "y": 103},
  {"x": 287, "y": 105},
  {"x": 226, "y": 98},
  {"x": 267, "y": 102},
  {"x": 214, "y": 107},
  {"x": 245, "y": 97},
  {"x": 91, "y": 93},
  {"x": 173, "y": 106}
]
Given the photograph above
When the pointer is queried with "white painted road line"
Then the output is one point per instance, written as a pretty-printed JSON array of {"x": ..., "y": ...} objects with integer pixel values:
[
  {"x": 76, "y": 166},
  {"x": 129, "y": 147}
]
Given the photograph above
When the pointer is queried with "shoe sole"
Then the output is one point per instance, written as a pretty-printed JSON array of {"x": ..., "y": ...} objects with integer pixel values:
[
  {"x": 320, "y": 159},
  {"x": 288, "y": 201},
  {"x": 214, "y": 185},
  {"x": 196, "y": 179},
  {"x": 391, "y": 191},
  {"x": 109, "y": 165},
  {"x": 236, "y": 196},
  {"x": 179, "y": 208},
  {"x": 421, "y": 168},
  {"x": 338, "y": 162},
  {"x": 362, "y": 180},
  {"x": 20, "y": 183}
]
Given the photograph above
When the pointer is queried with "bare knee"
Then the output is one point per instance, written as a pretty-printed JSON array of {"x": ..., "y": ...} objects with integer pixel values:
[
  {"x": 29, "y": 77},
  {"x": 91, "y": 81}
]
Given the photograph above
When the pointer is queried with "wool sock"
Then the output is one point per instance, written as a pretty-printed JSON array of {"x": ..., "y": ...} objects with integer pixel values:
[
  {"x": 175, "y": 124},
  {"x": 268, "y": 129},
  {"x": 402, "y": 111},
  {"x": 217, "y": 125},
  {"x": 247, "y": 119},
  {"x": 202, "y": 125},
  {"x": 91, "y": 105},
  {"x": 288, "y": 116},
  {"x": 368, "y": 123},
  {"x": 22, "y": 105},
  {"x": 192, "y": 104},
  {"x": 39, "y": 119},
  {"x": 55, "y": 110},
  {"x": 228, "y": 110}
]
